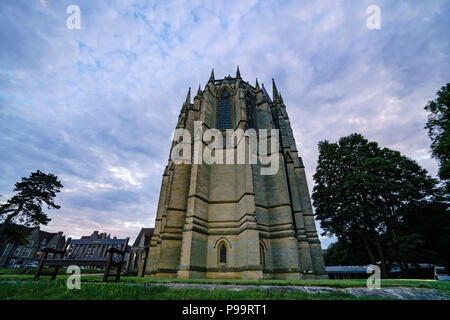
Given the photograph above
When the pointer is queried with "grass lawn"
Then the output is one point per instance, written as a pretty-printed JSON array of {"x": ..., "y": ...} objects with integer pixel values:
[
  {"x": 21, "y": 286},
  {"x": 441, "y": 285},
  {"x": 57, "y": 290}
]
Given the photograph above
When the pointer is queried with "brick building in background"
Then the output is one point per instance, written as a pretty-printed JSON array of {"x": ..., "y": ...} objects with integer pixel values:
[{"x": 30, "y": 252}]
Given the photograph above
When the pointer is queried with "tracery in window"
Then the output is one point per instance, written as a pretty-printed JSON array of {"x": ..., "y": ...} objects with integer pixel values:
[{"x": 225, "y": 111}]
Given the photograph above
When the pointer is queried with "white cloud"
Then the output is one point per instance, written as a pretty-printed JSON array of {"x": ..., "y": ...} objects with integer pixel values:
[
  {"x": 127, "y": 176},
  {"x": 97, "y": 106}
]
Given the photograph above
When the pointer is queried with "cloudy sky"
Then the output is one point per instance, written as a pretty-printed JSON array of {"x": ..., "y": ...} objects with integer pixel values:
[{"x": 97, "y": 106}]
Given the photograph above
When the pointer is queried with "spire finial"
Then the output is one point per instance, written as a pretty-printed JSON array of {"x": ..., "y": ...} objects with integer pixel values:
[
  {"x": 257, "y": 85},
  {"x": 199, "y": 91},
  {"x": 238, "y": 74},
  {"x": 188, "y": 98},
  {"x": 211, "y": 78},
  {"x": 275, "y": 92}
]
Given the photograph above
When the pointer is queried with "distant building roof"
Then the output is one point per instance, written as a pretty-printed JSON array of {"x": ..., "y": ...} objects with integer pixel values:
[
  {"x": 97, "y": 235},
  {"x": 346, "y": 269},
  {"x": 414, "y": 266},
  {"x": 97, "y": 241},
  {"x": 44, "y": 235},
  {"x": 145, "y": 232}
]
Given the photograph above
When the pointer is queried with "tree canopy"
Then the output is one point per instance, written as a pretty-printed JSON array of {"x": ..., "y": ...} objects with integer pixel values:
[
  {"x": 362, "y": 192},
  {"x": 25, "y": 207},
  {"x": 438, "y": 126}
]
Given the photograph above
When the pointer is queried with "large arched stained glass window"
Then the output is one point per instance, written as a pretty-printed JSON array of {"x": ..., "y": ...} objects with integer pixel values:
[{"x": 225, "y": 111}]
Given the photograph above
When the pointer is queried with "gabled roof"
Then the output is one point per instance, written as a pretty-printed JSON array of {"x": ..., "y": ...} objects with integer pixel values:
[
  {"x": 18, "y": 232},
  {"x": 145, "y": 232},
  {"x": 44, "y": 235}
]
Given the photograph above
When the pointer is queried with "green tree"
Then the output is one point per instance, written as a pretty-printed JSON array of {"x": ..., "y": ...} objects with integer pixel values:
[
  {"x": 428, "y": 224},
  {"x": 346, "y": 252},
  {"x": 438, "y": 126},
  {"x": 25, "y": 207},
  {"x": 360, "y": 191},
  {"x": 423, "y": 235}
]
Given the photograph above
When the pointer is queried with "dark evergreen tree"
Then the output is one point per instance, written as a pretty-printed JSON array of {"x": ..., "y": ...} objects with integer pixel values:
[{"x": 25, "y": 207}]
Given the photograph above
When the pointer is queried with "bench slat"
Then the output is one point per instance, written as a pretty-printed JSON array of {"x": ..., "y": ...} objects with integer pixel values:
[{"x": 69, "y": 262}]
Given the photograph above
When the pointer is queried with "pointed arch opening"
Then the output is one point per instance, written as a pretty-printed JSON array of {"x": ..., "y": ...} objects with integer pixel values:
[
  {"x": 223, "y": 247},
  {"x": 222, "y": 254},
  {"x": 262, "y": 254}
]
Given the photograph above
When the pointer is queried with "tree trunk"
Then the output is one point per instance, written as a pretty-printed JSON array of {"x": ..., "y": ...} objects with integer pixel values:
[
  {"x": 369, "y": 250},
  {"x": 407, "y": 271},
  {"x": 403, "y": 265},
  {"x": 382, "y": 258}
]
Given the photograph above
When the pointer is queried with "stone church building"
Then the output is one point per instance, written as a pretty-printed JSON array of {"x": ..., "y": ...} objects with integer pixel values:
[{"x": 228, "y": 220}]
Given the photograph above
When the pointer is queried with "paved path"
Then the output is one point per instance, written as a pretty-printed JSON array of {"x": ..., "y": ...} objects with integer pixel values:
[{"x": 401, "y": 293}]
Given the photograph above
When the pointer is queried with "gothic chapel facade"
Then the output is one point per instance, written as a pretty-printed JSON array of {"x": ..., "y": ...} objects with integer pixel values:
[{"x": 229, "y": 221}]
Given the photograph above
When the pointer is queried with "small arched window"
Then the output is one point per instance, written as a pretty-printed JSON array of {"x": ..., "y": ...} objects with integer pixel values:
[
  {"x": 225, "y": 111},
  {"x": 222, "y": 253}
]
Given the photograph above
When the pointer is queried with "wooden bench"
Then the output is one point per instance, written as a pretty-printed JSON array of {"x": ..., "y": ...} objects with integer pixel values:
[{"x": 103, "y": 253}]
